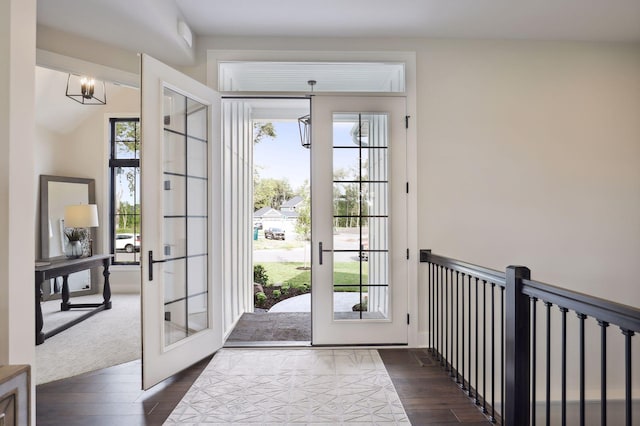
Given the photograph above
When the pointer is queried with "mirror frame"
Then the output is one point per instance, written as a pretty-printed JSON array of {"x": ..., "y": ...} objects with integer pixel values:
[
  {"x": 44, "y": 206},
  {"x": 44, "y": 227}
]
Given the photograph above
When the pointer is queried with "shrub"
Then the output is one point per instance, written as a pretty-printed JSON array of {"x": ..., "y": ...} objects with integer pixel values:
[
  {"x": 276, "y": 294},
  {"x": 260, "y": 298},
  {"x": 260, "y": 274}
]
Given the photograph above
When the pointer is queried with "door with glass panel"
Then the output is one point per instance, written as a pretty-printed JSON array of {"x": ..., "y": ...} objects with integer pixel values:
[
  {"x": 359, "y": 220},
  {"x": 181, "y": 187}
]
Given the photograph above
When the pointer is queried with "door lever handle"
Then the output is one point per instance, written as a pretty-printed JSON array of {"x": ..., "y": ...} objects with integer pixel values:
[
  {"x": 150, "y": 265},
  {"x": 321, "y": 251}
]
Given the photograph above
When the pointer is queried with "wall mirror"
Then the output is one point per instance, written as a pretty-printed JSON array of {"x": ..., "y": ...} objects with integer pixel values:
[{"x": 56, "y": 192}]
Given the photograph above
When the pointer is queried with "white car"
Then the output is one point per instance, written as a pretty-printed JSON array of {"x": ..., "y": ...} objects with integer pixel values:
[{"x": 128, "y": 242}]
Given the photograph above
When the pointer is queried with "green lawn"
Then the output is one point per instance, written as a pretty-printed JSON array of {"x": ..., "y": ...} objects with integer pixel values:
[{"x": 288, "y": 273}]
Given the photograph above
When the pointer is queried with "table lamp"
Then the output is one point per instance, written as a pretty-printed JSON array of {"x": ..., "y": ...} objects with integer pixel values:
[{"x": 82, "y": 216}]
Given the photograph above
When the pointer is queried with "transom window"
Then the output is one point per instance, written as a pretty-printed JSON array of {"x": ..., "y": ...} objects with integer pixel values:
[{"x": 261, "y": 76}]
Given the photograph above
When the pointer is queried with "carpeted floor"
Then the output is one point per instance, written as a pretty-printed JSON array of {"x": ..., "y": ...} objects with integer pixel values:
[
  {"x": 278, "y": 386},
  {"x": 108, "y": 338}
]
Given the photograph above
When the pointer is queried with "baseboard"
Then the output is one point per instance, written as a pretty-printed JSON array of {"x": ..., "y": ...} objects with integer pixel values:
[
  {"x": 615, "y": 412},
  {"x": 423, "y": 339}
]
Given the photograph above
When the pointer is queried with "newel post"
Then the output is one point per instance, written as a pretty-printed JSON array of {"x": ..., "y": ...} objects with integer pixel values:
[{"x": 517, "y": 403}]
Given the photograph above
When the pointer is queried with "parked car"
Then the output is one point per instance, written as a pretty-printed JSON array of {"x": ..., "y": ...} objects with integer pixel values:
[
  {"x": 128, "y": 242},
  {"x": 274, "y": 234},
  {"x": 364, "y": 255}
]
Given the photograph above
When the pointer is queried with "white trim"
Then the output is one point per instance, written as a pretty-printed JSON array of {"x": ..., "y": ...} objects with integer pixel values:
[{"x": 409, "y": 58}]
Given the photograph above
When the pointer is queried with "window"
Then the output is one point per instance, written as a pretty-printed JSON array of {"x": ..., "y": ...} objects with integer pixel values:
[
  {"x": 261, "y": 76},
  {"x": 124, "y": 167}
]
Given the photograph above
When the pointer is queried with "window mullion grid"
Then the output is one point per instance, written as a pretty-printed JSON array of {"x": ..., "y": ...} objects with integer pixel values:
[
  {"x": 360, "y": 207},
  {"x": 186, "y": 215}
]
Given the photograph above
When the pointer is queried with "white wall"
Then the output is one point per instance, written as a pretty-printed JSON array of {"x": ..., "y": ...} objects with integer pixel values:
[
  {"x": 530, "y": 155},
  {"x": 237, "y": 212},
  {"x": 17, "y": 293}
]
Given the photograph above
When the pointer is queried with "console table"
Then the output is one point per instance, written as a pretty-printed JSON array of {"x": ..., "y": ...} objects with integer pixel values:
[{"x": 62, "y": 267}]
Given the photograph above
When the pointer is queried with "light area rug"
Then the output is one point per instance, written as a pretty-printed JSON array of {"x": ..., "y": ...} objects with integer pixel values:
[
  {"x": 108, "y": 338},
  {"x": 297, "y": 386}
]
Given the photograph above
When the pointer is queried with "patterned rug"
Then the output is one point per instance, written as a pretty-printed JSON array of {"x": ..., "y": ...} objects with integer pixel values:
[{"x": 297, "y": 386}]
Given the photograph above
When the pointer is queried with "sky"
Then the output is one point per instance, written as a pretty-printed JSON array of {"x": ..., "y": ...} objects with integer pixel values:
[{"x": 284, "y": 156}]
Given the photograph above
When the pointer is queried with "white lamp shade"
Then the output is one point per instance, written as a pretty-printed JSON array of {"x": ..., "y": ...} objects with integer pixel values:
[{"x": 81, "y": 216}]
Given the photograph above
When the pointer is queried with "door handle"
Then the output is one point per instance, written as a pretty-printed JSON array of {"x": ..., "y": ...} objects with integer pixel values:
[
  {"x": 150, "y": 265},
  {"x": 321, "y": 250}
]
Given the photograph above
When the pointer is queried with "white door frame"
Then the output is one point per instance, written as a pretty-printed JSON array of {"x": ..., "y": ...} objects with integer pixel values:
[{"x": 417, "y": 329}]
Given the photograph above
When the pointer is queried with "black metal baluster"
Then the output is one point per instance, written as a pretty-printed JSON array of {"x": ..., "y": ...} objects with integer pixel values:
[
  {"x": 452, "y": 328},
  {"x": 476, "y": 400},
  {"x": 470, "y": 392},
  {"x": 446, "y": 318},
  {"x": 457, "y": 306},
  {"x": 492, "y": 418},
  {"x": 437, "y": 311},
  {"x": 502, "y": 332},
  {"x": 548, "y": 389},
  {"x": 430, "y": 293},
  {"x": 440, "y": 348},
  {"x": 628, "y": 402},
  {"x": 484, "y": 346},
  {"x": 603, "y": 372},
  {"x": 534, "y": 358},
  {"x": 582, "y": 317},
  {"x": 463, "y": 386},
  {"x": 564, "y": 367}
]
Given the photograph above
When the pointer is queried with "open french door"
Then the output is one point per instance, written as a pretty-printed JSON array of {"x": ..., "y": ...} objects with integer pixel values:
[
  {"x": 181, "y": 192},
  {"x": 359, "y": 226}
]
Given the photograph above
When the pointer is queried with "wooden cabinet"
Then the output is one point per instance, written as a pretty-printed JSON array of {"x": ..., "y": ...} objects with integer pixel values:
[{"x": 15, "y": 395}]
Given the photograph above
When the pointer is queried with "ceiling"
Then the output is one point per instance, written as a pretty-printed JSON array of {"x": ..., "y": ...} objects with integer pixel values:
[
  {"x": 151, "y": 25},
  {"x": 58, "y": 113},
  {"x": 503, "y": 19}
]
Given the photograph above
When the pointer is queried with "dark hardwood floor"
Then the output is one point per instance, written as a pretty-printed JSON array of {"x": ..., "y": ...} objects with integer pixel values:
[
  {"x": 428, "y": 394},
  {"x": 113, "y": 397}
]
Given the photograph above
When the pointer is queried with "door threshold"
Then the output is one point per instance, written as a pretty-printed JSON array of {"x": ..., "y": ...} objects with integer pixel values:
[{"x": 269, "y": 344}]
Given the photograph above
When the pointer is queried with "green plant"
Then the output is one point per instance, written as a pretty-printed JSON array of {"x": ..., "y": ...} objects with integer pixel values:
[
  {"x": 260, "y": 298},
  {"x": 260, "y": 275},
  {"x": 74, "y": 234},
  {"x": 276, "y": 294}
]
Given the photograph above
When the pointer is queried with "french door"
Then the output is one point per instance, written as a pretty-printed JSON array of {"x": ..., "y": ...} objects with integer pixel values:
[
  {"x": 359, "y": 226},
  {"x": 181, "y": 187}
]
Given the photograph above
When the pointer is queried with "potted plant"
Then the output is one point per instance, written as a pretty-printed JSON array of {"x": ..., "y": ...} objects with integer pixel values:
[{"x": 74, "y": 236}]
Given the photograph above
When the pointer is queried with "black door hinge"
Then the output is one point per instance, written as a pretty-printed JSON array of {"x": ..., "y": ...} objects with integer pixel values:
[
  {"x": 406, "y": 121},
  {"x": 408, "y": 320},
  {"x": 407, "y": 187},
  {"x": 407, "y": 254}
]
